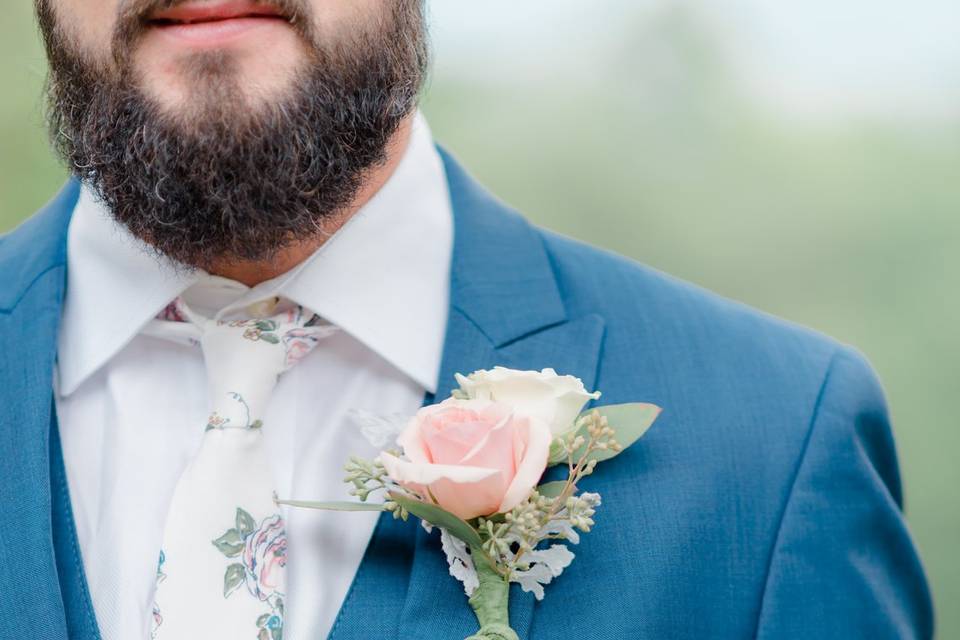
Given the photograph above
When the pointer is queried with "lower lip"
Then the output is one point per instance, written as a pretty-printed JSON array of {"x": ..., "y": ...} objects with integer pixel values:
[{"x": 218, "y": 32}]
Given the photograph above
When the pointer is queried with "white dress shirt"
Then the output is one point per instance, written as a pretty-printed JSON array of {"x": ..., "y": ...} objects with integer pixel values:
[{"x": 132, "y": 408}]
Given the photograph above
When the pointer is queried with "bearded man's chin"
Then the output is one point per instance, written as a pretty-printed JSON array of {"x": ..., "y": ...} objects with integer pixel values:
[{"x": 221, "y": 176}]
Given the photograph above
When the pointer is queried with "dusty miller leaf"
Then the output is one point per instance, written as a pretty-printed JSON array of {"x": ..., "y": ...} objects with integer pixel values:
[
  {"x": 376, "y": 429},
  {"x": 560, "y": 526},
  {"x": 545, "y": 565},
  {"x": 593, "y": 499},
  {"x": 459, "y": 561}
]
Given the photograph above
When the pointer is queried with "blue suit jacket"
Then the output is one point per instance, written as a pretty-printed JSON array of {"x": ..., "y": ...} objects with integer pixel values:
[{"x": 765, "y": 502}]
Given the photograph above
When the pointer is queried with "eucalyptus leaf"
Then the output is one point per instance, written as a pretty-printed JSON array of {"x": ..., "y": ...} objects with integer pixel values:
[
  {"x": 333, "y": 506},
  {"x": 233, "y": 578},
  {"x": 230, "y": 544},
  {"x": 269, "y": 337},
  {"x": 551, "y": 489},
  {"x": 439, "y": 518},
  {"x": 629, "y": 421},
  {"x": 245, "y": 523}
]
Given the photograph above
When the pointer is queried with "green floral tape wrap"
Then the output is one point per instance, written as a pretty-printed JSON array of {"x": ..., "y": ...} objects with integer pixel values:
[{"x": 491, "y": 601}]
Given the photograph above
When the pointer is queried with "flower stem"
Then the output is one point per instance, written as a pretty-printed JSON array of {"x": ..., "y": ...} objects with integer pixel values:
[{"x": 491, "y": 601}]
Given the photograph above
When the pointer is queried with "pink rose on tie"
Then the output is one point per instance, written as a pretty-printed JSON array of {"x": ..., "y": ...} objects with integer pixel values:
[
  {"x": 476, "y": 457},
  {"x": 265, "y": 558}
]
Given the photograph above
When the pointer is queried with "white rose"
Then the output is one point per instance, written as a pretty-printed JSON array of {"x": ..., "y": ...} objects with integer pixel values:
[{"x": 557, "y": 400}]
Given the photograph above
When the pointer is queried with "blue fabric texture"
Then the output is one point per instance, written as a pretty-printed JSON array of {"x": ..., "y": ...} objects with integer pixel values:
[{"x": 765, "y": 502}]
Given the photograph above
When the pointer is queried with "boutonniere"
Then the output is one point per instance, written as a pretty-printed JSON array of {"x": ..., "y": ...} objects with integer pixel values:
[{"x": 471, "y": 467}]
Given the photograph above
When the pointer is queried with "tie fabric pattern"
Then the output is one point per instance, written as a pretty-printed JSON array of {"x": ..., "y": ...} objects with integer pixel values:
[{"x": 222, "y": 568}]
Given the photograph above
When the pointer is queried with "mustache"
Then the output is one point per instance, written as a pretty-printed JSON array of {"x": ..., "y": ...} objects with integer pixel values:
[{"x": 134, "y": 17}]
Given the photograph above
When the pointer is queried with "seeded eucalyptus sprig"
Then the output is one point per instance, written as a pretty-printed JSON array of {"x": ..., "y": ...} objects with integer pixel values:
[
  {"x": 366, "y": 476},
  {"x": 553, "y": 511},
  {"x": 369, "y": 476}
]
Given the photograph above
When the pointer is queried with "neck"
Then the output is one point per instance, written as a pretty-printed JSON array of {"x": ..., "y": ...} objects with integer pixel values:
[{"x": 253, "y": 273}]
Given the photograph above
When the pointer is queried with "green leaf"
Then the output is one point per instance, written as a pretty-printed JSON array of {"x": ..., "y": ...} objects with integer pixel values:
[
  {"x": 262, "y": 620},
  {"x": 230, "y": 544},
  {"x": 630, "y": 421},
  {"x": 269, "y": 337},
  {"x": 333, "y": 506},
  {"x": 245, "y": 523},
  {"x": 266, "y": 325},
  {"x": 439, "y": 518},
  {"x": 233, "y": 578},
  {"x": 552, "y": 489}
]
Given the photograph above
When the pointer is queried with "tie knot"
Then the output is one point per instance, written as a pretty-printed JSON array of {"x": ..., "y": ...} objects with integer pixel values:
[
  {"x": 245, "y": 356},
  {"x": 273, "y": 343}
]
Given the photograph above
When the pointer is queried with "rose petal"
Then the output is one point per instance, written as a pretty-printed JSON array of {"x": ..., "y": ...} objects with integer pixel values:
[
  {"x": 568, "y": 406},
  {"x": 556, "y": 399},
  {"x": 450, "y": 443},
  {"x": 403, "y": 471},
  {"x": 466, "y": 492},
  {"x": 496, "y": 449},
  {"x": 472, "y": 499},
  {"x": 531, "y": 469},
  {"x": 412, "y": 443}
]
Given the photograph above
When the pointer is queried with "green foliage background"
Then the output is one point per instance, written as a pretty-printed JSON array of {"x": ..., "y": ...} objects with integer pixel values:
[{"x": 848, "y": 226}]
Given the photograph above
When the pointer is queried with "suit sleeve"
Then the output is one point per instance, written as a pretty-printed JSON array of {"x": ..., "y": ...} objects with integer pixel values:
[{"x": 843, "y": 564}]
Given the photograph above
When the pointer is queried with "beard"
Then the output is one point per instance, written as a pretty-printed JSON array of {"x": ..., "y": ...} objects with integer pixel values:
[{"x": 221, "y": 181}]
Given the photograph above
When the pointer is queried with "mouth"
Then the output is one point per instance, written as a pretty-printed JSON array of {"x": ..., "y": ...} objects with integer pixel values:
[{"x": 216, "y": 22}]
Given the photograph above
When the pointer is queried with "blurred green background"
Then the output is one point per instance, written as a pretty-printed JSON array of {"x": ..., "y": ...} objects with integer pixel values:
[{"x": 804, "y": 159}]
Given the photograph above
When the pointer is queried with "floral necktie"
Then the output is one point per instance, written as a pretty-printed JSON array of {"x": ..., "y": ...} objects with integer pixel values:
[{"x": 221, "y": 574}]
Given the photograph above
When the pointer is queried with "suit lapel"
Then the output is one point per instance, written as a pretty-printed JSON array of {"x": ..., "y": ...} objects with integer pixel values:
[
  {"x": 34, "y": 259},
  {"x": 505, "y": 309},
  {"x": 77, "y": 605}
]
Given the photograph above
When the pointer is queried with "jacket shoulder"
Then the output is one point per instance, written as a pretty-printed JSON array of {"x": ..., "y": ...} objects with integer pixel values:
[
  {"x": 729, "y": 377},
  {"x": 646, "y": 307}
]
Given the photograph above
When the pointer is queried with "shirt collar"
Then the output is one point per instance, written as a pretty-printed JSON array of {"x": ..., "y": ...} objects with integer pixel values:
[{"x": 382, "y": 278}]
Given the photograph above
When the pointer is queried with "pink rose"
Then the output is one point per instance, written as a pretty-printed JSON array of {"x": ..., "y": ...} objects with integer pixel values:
[
  {"x": 475, "y": 456},
  {"x": 265, "y": 558}
]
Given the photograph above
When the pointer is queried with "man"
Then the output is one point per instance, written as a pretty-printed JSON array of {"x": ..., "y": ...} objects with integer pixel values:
[{"x": 236, "y": 159}]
